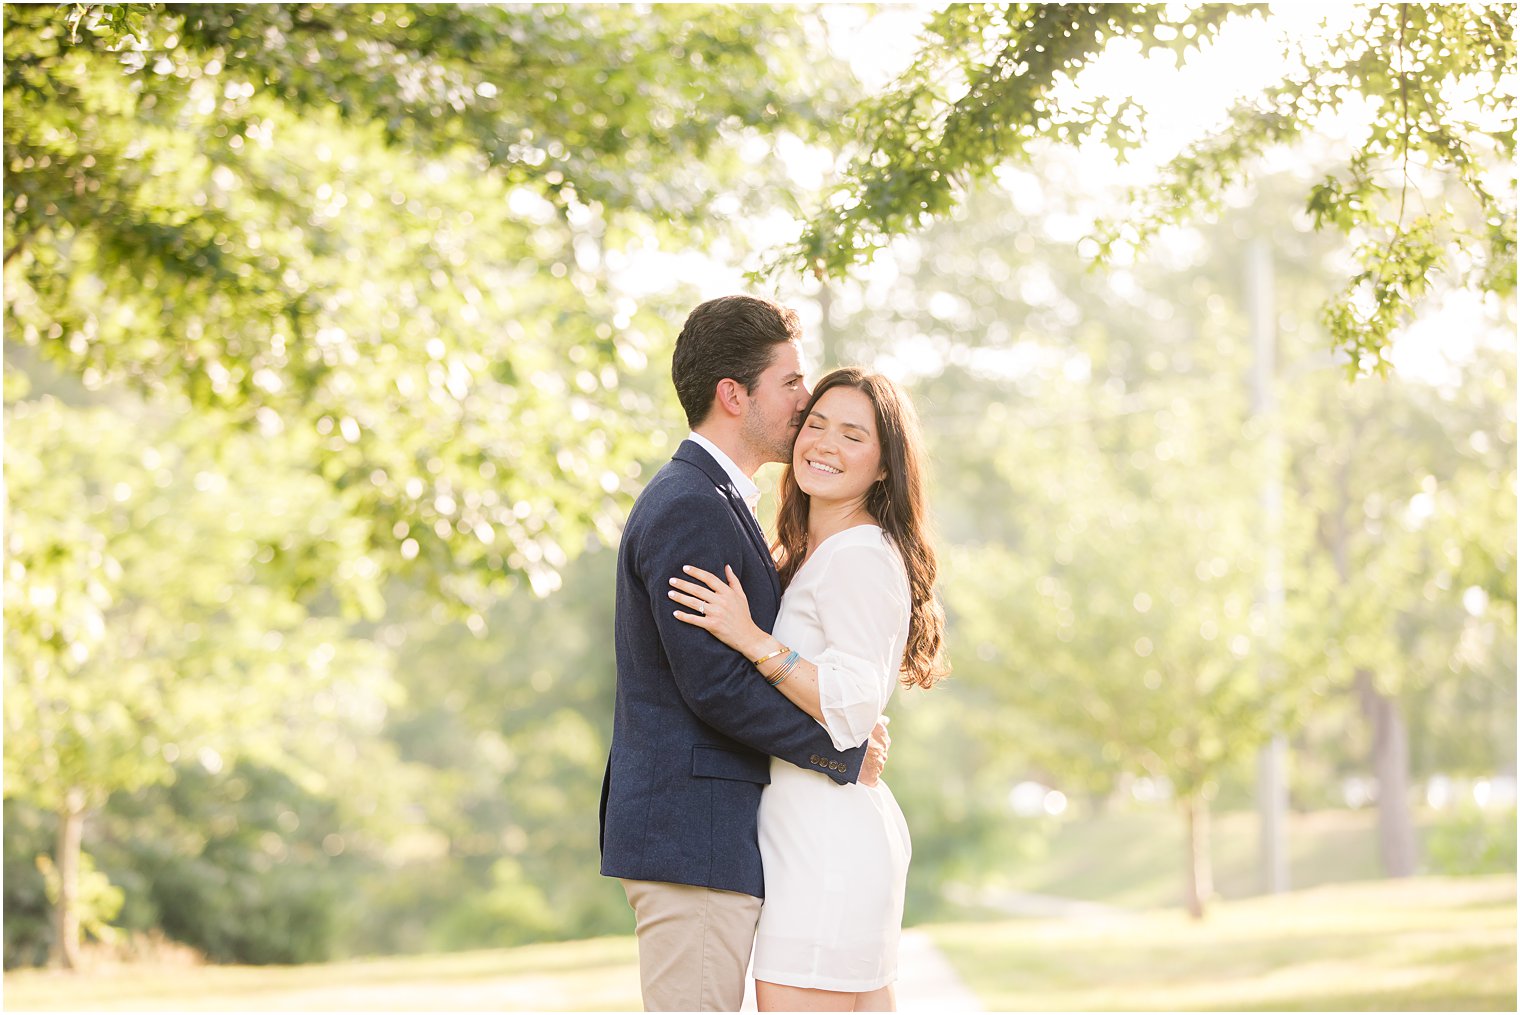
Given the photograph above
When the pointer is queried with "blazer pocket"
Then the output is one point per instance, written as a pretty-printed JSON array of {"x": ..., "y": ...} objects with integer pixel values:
[{"x": 710, "y": 762}]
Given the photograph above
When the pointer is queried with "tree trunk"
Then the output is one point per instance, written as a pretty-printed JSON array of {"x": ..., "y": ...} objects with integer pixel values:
[
  {"x": 1390, "y": 742},
  {"x": 1198, "y": 887},
  {"x": 66, "y": 862},
  {"x": 1390, "y": 765}
]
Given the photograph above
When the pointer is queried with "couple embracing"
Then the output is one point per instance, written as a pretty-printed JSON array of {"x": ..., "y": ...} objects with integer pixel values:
[{"x": 752, "y": 675}]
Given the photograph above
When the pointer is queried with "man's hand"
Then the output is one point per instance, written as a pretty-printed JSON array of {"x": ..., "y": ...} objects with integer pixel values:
[{"x": 876, "y": 754}]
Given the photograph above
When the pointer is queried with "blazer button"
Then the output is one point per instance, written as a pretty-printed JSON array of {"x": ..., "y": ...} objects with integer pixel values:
[{"x": 816, "y": 760}]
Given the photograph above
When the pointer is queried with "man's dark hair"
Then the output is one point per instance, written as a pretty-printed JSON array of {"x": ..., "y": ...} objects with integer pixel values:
[{"x": 732, "y": 336}]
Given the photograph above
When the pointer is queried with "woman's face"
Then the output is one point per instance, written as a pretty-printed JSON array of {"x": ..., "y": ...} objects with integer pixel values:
[{"x": 837, "y": 455}]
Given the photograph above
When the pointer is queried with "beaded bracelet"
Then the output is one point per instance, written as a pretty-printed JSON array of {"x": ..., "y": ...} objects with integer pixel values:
[{"x": 785, "y": 671}]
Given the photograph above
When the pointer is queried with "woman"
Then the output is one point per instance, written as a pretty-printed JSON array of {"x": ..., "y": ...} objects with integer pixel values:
[{"x": 858, "y": 611}]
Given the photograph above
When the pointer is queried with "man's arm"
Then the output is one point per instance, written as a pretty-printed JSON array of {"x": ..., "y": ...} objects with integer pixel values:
[{"x": 717, "y": 683}]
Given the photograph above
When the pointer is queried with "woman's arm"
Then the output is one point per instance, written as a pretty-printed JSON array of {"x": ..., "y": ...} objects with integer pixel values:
[
  {"x": 862, "y": 611},
  {"x": 722, "y": 609}
]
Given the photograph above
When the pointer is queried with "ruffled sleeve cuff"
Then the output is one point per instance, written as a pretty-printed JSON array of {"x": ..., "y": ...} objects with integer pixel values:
[{"x": 850, "y": 696}]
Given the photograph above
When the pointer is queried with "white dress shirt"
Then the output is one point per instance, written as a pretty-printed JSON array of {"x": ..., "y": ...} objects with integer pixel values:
[{"x": 746, "y": 486}]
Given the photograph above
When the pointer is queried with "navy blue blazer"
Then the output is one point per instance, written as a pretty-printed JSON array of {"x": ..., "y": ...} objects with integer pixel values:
[{"x": 694, "y": 725}]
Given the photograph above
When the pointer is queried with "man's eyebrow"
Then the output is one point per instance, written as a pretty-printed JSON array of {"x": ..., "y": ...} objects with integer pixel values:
[{"x": 855, "y": 426}]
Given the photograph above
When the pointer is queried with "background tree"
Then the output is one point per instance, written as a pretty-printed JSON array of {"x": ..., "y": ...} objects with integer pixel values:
[
  {"x": 1417, "y": 610},
  {"x": 147, "y": 621}
]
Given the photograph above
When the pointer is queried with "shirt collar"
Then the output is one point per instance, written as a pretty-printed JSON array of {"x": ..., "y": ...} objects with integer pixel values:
[{"x": 746, "y": 486}]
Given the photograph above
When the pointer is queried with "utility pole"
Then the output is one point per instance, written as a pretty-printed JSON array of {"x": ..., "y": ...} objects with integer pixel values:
[
  {"x": 828, "y": 357},
  {"x": 1272, "y": 762}
]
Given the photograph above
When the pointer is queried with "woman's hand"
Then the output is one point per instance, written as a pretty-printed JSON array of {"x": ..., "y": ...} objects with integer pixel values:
[{"x": 721, "y": 608}]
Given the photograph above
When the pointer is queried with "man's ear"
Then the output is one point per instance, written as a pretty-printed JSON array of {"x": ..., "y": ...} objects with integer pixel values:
[{"x": 728, "y": 398}]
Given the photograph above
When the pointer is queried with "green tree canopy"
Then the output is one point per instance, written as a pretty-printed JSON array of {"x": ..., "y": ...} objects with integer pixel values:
[
  {"x": 1425, "y": 190},
  {"x": 387, "y": 231}
]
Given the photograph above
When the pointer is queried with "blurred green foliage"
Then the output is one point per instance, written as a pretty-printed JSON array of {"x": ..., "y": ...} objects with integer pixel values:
[
  {"x": 149, "y": 607},
  {"x": 383, "y": 235},
  {"x": 1473, "y": 840},
  {"x": 511, "y": 729},
  {"x": 244, "y": 864},
  {"x": 28, "y": 914}
]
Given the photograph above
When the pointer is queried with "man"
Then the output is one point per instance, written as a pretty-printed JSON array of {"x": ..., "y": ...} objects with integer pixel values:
[{"x": 695, "y": 725}]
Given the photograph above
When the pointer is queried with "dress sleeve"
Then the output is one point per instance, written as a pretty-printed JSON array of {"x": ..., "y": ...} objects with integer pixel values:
[{"x": 863, "y": 613}]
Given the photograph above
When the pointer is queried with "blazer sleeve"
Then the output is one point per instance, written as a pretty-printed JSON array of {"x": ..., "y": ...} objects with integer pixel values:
[
  {"x": 718, "y": 684},
  {"x": 863, "y": 614}
]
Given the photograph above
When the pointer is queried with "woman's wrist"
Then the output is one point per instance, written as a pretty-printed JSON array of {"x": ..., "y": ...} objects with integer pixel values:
[
  {"x": 777, "y": 669},
  {"x": 762, "y": 646}
]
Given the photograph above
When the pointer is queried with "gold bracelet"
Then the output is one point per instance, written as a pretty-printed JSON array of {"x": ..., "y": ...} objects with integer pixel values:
[{"x": 765, "y": 659}]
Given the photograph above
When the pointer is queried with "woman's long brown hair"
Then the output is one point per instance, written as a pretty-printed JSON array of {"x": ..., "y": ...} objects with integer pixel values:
[{"x": 896, "y": 502}]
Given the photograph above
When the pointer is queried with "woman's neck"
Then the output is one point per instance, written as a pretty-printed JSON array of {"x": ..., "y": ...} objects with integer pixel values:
[{"x": 825, "y": 518}]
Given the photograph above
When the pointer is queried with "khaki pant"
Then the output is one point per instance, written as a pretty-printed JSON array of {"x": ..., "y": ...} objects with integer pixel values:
[{"x": 694, "y": 945}]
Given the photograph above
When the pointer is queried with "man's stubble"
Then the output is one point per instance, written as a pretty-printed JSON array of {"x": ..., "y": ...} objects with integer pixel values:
[{"x": 773, "y": 441}]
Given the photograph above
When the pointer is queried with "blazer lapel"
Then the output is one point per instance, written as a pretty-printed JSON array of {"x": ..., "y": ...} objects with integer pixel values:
[
  {"x": 693, "y": 453},
  {"x": 756, "y": 536}
]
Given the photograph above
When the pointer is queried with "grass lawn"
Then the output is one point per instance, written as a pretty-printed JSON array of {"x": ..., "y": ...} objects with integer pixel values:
[
  {"x": 1133, "y": 859},
  {"x": 597, "y": 975},
  {"x": 1425, "y": 943},
  {"x": 1431, "y": 944}
]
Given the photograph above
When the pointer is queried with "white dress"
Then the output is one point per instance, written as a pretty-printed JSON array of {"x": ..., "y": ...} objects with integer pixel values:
[{"x": 836, "y": 857}]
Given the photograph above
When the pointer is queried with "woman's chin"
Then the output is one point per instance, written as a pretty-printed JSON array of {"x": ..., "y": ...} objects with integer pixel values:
[{"x": 816, "y": 488}]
